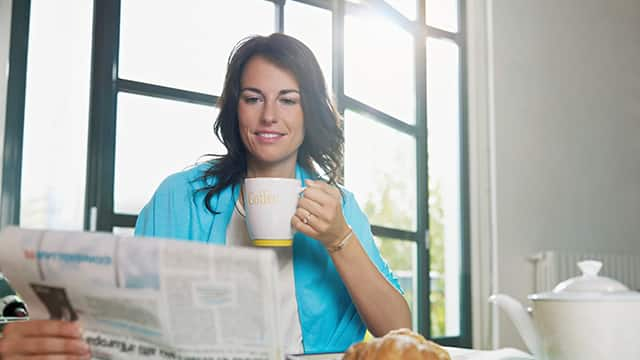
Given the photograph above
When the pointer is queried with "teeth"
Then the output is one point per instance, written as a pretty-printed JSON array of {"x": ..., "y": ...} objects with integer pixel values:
[{"x": 268, "y": 135}]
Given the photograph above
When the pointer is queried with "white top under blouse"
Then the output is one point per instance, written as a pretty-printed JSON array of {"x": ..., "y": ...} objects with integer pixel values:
[{"x": 237, "y": 235}]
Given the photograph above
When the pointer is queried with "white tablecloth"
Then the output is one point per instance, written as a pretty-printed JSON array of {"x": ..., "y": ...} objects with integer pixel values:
[{"x": 501, "y": 354}]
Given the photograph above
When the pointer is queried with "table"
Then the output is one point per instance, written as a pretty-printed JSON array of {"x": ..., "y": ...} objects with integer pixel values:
[{"x": 456, "y": 354}]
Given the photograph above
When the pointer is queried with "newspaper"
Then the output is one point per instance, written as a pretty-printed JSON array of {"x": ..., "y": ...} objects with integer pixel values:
[{"x": 147, "y": 298}]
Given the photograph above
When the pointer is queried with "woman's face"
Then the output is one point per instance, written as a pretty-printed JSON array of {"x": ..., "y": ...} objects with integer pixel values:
[{"x": 270, "y": 115}]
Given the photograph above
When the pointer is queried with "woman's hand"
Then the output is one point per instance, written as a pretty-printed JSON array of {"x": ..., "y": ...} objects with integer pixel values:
[
  {"x": 319, "y": 213},
  {"x": 39, "y": 339}
]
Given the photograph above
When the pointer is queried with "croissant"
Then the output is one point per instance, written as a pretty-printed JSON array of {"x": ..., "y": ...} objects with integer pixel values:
[{"x": 397, "y": 344}]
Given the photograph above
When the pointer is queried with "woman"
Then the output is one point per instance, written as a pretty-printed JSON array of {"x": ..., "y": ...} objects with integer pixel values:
[{"x": 276, "y": 120}]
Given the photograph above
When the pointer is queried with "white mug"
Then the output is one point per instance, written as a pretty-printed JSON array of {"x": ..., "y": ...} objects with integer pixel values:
[{"x": 269, "y": 205}]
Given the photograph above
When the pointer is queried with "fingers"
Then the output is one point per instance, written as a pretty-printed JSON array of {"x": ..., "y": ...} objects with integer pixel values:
[
  {"x": 48, "y": 357},
  {"x": 43, "y": 338},
  {"x": 43, "y": 328},
  {"x": 325, "y": 187},
  {"x": 319, "y": 213},
  {"x": 314, "y": 223},
  {"x": 302, "y": 227},
  {"x": 44, "y": 346},
  {"x": 311, "y": 207},
  {"x": 322, "y": 200},
  {"x": 322, "y": 191},
  {"x": 304, "y": 215}
]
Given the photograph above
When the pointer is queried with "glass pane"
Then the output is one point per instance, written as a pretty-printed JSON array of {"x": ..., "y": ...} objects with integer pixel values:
[
  {"x": 401, "y": 255},
  {"x": 405, "y": 7},
  {"x": 155, "y": 138},
  {"x": 186, "y": 46},
  {"x": 378, "y": 68},
  {"x": 380, "y": 170},
  {"x": 312, "y": 26},
  {"x": 444, "y": 183},
  {"x": 442, "y": 14},
  {"x": 56, "y": 115}
]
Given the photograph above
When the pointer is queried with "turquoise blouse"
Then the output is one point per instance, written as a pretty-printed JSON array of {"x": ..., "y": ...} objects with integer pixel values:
[{"x": 328, "y": 318}]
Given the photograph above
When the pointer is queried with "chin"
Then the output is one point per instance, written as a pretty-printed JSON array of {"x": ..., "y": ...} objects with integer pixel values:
[{"x": 266, "y": 160}]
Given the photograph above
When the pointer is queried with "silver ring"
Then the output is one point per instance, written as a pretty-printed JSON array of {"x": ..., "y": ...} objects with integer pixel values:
[{"x": 307, "y": 218}]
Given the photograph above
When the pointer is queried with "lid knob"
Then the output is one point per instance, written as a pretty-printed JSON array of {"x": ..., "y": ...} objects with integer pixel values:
[
  {"x": 590, "y": 267},
  {"x": 590, "y": 282}
]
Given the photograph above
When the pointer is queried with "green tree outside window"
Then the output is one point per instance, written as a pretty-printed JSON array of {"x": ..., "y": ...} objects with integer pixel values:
[{"x": 398, "y": 254}]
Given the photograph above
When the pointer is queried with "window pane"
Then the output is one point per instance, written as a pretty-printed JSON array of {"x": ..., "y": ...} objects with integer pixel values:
[
  {"x": 167, "y": 43},
  {"x": 56, "y": 115},
  {"x": 312, "y": 26},
  {"x": 442, "y": 14},
  {"x": 444, "y": 183},
  {"x": 379, "y": 61},
  {"x": 380, "y": 169},
  {"x": 405, "y": 7},
  {"x": 402, "y": 258},
  {"x": 155, "y": 138}
]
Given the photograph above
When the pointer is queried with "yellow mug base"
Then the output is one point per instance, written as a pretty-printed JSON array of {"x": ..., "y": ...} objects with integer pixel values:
[{"x": 273, "y": 242}]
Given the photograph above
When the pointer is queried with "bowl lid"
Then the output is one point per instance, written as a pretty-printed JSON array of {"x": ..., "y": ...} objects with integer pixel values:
[{"x": 589, "y": 286}]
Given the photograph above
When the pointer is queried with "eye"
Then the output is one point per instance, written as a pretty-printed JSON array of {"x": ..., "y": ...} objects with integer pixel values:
[
  {"x": 251, "y": 99},
  {"x": 289, "y": 101}
]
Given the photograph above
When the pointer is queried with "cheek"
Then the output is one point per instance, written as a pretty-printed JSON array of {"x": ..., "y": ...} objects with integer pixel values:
[
  {"x": 300, "y": 125},
  {"x": 243, "y": 116},
  {"x": 243, "y": 128},
  {"x": 301, "y": 132},
  {"x": 244, "y": 137}
]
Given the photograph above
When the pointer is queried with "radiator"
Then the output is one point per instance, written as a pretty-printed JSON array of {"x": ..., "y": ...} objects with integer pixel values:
[{"x": 552, "y": 267}]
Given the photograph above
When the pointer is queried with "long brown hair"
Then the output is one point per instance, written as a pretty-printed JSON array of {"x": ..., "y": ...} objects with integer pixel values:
[{"x": 323, "y": 138}]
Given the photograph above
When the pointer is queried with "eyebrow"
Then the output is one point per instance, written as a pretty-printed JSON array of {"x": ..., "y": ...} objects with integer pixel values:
[{"x": 281, "y": 92}]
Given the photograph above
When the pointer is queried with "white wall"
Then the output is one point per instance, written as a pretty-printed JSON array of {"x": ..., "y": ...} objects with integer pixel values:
[
  {"x": 559, "y": 128},
  {"x": 5, "y": 30}
]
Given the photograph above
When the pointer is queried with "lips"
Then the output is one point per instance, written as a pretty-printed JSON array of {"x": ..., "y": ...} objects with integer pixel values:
[{"x": 268, "y": 136}]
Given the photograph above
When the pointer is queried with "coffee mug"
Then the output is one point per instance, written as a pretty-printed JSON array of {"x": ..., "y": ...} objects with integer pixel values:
[{"x": 269, "y": 205}]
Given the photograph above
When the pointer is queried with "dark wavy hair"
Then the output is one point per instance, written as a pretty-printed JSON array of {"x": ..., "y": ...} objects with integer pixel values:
[{"x": 323, "y": 137}]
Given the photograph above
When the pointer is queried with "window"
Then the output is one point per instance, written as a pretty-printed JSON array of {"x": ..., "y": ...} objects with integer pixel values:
[
  {"x": 56, "y": 104},
  {"x": 180, "y": 46},
  {"x": 169, "y": 77},
  {"x": 396, "y": 70},
  {"x": 169, "y": 145}
]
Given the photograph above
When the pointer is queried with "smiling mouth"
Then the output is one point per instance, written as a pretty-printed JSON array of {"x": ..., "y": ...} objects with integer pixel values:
[{"x": 266, "y": 135}]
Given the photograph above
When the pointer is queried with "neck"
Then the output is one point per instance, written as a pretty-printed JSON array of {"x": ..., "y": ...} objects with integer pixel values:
[{"x": 282, "y": 170}]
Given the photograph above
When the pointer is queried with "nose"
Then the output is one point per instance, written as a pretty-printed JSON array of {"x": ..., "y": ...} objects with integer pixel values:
[{"x": 269, "y": 112}]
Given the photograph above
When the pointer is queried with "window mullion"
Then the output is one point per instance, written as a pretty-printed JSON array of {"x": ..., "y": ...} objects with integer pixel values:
[
  {"x": 279, "y": 16},
  {"x": 102, "y": 112},
  {"x": 384, "y": 231},
  {"x": 422, "y": 236},
  {"x": 165, "y": 92},
  {"x": 465, "y": 253},
  {"x": 14, "y": 121},
  {"x": 379, "y": 116},
  {"x": 337, "y": 45}
]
